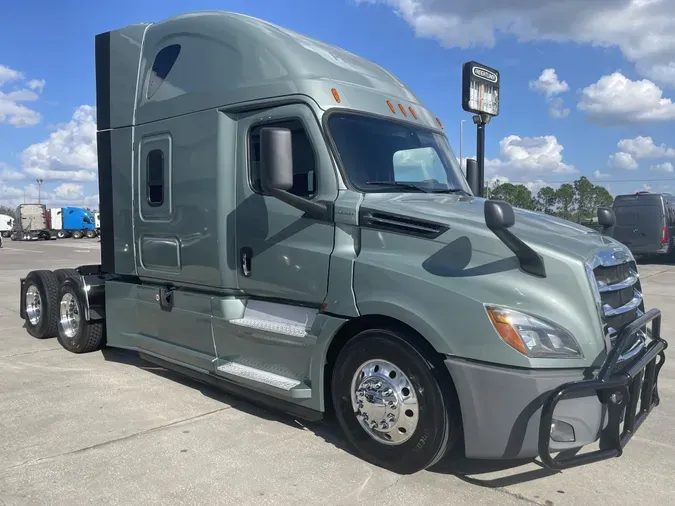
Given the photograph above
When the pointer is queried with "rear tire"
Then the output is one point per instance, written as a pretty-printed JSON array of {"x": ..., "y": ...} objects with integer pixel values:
[
  {"x": 77, "y": 234},
  {"x": 381, "y": 373},
  {"x": 76, "y": 334},
  {"x": 61, "y": 234},
  {"x": 41, "y": 292},
  {"x": 63, "y": 274},
  {"x": 90, "y": 234}
]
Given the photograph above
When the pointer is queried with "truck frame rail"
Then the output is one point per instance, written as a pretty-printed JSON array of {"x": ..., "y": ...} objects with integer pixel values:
[{"x": 619, "y": 390}]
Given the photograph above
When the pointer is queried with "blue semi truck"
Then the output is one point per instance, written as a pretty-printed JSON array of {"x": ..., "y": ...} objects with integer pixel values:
[{"x": 73, "y": 222}]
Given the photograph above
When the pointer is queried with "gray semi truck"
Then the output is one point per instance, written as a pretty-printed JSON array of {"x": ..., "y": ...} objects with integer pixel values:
[{"x": 287, "y": 221}]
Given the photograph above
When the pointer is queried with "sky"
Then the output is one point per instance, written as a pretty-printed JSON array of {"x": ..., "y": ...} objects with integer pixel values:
[{"x": 587, "y": 86}]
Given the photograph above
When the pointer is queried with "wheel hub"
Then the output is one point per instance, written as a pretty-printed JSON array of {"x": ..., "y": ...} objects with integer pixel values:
[
  {"x": 69, "y": 315},
  {"x": 33, "y": 305},
  {"x": 385, "y": 402}
]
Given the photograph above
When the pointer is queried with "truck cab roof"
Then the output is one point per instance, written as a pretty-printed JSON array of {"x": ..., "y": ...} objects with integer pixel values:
[{"x": 210, "y": 59}]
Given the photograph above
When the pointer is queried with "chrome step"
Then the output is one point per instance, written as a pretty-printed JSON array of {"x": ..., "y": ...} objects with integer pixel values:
[{"x": 288, "y": 386}]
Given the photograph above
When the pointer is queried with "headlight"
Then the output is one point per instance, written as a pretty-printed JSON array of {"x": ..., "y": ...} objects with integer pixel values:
[{"x": 533, "y": 337}]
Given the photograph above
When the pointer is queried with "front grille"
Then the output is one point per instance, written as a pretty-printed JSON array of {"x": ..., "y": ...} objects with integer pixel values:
[{"x": 620, "y": 295}]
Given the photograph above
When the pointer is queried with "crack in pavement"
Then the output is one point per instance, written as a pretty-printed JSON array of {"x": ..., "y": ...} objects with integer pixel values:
[
  {"x": 116, "y": 440},
  {"x": 29, "y": 352}
]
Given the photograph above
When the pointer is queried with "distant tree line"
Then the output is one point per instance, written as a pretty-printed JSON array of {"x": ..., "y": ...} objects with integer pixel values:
[
  {"x": 7, "y": 210},
  {"x": 576, "y": 201}
]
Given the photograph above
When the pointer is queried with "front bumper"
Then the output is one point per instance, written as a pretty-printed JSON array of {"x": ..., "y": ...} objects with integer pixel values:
[
  {"x": 507, "y": 412},
  {"x": 619, "y": 389}
]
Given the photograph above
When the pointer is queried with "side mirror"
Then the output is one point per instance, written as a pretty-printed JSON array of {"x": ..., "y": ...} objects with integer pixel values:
[
  {"x": 472, "y": 177},
  {"x": 499, "y": 217},
  {"x": 607, "y": 219},
  {"x": 276, "y": 172},
  {"x": 498, "y": 214},
  {"x": 276, "y": 159}
]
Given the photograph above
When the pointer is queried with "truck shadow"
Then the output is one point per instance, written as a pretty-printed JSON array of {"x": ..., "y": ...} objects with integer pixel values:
[{"x": 328, "y": 430}]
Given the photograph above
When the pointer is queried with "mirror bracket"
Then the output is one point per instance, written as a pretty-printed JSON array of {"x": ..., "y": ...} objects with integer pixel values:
[{"x": 317, "y": 210}]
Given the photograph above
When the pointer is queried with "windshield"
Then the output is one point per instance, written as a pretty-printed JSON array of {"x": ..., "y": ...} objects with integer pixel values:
[{"x": 385, "y": 155}]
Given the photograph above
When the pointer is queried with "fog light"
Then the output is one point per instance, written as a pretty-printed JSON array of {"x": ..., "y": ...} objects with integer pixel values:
[{"x": 562, "y": 432}]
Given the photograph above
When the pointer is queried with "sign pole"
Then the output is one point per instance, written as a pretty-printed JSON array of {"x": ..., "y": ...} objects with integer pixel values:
[{"x": 480, "y": 95}]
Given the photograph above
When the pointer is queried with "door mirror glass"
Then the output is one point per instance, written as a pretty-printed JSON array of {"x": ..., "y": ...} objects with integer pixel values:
[{"x": 276, "y": 159}]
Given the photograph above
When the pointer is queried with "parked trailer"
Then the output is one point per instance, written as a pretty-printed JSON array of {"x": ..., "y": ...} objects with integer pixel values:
[
  {"x": 72, "y": 222},
  {"x": 6, "y": 225},
  {"x": 31, "y": 222},
  {"x": 263, "y": 241}
]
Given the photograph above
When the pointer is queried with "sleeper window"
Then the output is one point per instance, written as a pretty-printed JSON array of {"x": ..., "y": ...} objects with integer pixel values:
[
  {"x": 155, "y": 178},
  {"x": 304, "y": 161}
]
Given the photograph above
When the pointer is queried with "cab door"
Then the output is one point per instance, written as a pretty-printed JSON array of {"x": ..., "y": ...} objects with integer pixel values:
[{"x": 283, "y": 254}]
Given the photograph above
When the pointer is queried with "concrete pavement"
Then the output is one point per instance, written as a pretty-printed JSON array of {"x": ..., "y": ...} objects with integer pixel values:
[{"x": 107, "y": 428}]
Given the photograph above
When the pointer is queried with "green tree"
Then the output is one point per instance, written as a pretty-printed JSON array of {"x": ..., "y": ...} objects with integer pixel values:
[
  {"x": 518, "y": 195},
  {"x": 565, "y": 199},
  {"x": 546, "y": 200},
  {"x": 8, "y": 211}
]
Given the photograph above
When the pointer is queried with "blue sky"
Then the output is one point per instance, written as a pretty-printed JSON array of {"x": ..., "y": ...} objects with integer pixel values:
[{"x": 615, "y": 80}]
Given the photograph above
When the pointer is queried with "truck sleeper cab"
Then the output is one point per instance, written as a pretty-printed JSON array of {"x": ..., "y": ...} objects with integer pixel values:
[{"x": 296, "y": 228}]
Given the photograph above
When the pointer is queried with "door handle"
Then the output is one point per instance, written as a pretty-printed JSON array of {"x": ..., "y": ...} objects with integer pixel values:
[{"x": 245, "y": 261}]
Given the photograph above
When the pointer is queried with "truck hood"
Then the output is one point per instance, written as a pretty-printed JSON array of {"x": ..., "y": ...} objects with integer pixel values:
[{"x": 462, "y": 212}]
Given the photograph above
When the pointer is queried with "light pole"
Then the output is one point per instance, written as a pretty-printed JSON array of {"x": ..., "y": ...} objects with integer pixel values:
[
  {"x": 39, "y": 183},
  {"x": 460, "y": 142}
]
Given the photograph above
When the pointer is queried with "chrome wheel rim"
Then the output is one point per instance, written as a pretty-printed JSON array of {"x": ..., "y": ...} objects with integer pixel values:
[
  {"x": 385, "y": 402},
  {"x": 33, "y": 305},
  {"x": 69, "y": 315}
]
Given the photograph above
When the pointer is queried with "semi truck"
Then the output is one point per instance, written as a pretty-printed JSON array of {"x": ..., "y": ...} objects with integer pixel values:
[
  {"x": 296, "y": 229},
  {"x": 31, "y": 222},
  {"x": 6, "y": 225},
  {"x": 72, "y": 222}
]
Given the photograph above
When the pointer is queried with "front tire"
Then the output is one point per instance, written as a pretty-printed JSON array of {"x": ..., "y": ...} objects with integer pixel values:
[
  {"x": 382, "y": 380},
  {"x": 76, "y": 334}
]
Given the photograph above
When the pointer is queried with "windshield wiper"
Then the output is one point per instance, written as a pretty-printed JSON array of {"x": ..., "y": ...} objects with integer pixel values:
[
  {"x": 399, "y": 184},
  {"x": 450, "y": 190}
]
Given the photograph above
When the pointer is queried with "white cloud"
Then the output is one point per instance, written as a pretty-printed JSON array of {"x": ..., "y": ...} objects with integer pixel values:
[
  {"x": 36, "y": 84},
  {"x": 641, "y": 29},
  {"x": 622, "y": 160},
  {"x": 600, "y": 175},
  {"x": 644, "y": 147},
  {"x": 7, "y": 75},
  {"x": 663, "y": 167},
  {"x": 12, "y": 111},
  {"x": 7, "y": 173},
  {"x": 66, "y": 194},
  {"x": 529, "y": 156},
  {"x": 69, "y": 154},
  {"x": 615, "y": 99},
  {"x": 549, "y": 84},
  {"x": 69, "y": 191},
  {"x": 557, "y": 108}
]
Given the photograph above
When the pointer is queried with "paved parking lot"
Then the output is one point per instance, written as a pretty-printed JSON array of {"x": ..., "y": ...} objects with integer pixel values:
[{"x": 106, "y": 428}]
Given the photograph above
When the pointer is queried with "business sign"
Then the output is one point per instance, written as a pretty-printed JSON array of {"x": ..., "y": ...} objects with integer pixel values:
[{"x": 480, "y": 89}]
